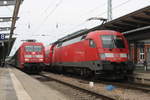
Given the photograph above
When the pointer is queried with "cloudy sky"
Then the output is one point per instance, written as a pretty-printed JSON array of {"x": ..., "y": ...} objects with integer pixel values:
[{"x": 48, "y": 20}]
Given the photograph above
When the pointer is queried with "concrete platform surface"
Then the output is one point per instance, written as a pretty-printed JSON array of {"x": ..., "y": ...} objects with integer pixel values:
[{"x": 16, "y": 85}]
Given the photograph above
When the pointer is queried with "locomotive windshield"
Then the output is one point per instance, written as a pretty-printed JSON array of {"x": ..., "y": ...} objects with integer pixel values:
[
  {"x": 112, "y": 41},
  {"x": 33, "y": 48}
]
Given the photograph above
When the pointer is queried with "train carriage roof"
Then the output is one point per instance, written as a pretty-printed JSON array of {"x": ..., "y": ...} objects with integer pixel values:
[{"x": 72, "y": 35}]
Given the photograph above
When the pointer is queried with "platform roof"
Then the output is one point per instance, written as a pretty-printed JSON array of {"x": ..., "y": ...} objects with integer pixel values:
[
  {"x": 7, "y": 43},
  {"x": 7, "y": 2},
  {"x": 134, "y": 20},
  {"x": 6, "y": 19}
]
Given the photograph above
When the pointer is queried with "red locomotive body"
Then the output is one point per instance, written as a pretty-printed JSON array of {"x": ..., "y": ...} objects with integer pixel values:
[
  {"x": 30, "y": 57},
  {"x": 102, "y": 52},
  {"x": 48, "y": 56}
]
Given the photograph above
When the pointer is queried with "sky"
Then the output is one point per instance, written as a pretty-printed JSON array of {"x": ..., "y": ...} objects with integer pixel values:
[{"x": 48, "y": 20}]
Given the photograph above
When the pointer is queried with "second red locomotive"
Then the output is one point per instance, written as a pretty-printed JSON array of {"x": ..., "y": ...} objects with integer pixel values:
[{"x": 30, "y": 57}]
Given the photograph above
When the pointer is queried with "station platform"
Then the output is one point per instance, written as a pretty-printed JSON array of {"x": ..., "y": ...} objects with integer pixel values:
[
  {"x": 141, "y": 76},
  {"x": 16, "y": 85}
]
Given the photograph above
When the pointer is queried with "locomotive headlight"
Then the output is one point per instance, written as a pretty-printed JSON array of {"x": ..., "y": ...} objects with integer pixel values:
[
  {"x": 40, "y": 59},
  {"x": 28, "y": 56},
  {"x": 39, "y": 56},
  {"x": 109, "y": 54},
  {"x": 123, "y": 55},
  {"x": 26, "y": 59},
  {"x": 102, "y": 56}
]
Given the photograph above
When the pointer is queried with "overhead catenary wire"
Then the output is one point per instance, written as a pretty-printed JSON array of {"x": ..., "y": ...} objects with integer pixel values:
[
  {"x": 50, "y": 13},
  {"x": 47, "y": 8},
  {"x": 56, "y": 7},
  {"x": 117, "y": 6},
  {"x": 87, "y": 12},
  {"x": 104, "y": 12}
]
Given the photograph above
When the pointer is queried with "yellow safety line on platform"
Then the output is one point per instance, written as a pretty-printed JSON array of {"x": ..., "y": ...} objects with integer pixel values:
[{"x": 20, "y": 92}]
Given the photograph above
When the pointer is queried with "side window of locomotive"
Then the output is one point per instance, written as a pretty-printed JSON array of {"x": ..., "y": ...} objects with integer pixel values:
[
  {"x": 72, "y": 41},
  {"x": 83, "y": 37},
  {"x": 59, "y": 45},
  {"x": 92, "y": 43}
]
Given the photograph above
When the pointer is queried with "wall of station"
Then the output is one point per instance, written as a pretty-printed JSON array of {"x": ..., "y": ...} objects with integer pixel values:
[{"x": 140, "y": 52}]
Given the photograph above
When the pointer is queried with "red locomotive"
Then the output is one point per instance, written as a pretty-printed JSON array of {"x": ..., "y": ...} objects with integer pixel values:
[
  {"x": 30, "y": 57},
  {"x": 101, "y": 52}
]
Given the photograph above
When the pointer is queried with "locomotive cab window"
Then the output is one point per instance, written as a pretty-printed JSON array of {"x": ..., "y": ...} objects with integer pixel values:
[
  {"x": 112, "y": 41},
  {"x": 37, "y": 48},
  {"x": 33, "y": 48},
  {"x": 29, "y": 48},
  {"x": 92, "y": 43},
  {"x": 119, "y": 42}
]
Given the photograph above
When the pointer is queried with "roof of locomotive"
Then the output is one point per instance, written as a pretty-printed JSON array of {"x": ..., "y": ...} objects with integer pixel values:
[
  {"x": 72, "y": 35},
  {"x": 106, "y": 32},
  {"x": 83, "y": 32},
  {"x": 31, "y": 43}
]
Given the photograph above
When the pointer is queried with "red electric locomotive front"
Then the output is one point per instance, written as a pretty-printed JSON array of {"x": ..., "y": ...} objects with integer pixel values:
[
  {"x": 30, "y": 57},
  {"x": 102, "y": 52}
]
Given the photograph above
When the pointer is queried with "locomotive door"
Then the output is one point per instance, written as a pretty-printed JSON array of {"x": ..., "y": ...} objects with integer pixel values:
[{"x": 91, "y": 50}]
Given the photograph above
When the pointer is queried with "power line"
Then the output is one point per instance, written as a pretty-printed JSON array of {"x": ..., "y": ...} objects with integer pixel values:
[
  {"x": 116, "y": 7},
  {"x": 92, "y": 10},
  {"x": 47, "y": 8},
  {"x": 50, "y": 13},
  {"x": 83, "y": 21},
  {"x": 102, "y": 13}
]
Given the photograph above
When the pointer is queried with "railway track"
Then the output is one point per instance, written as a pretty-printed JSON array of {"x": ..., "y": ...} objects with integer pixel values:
[
  {"x": 129, "y": 85},
  {"x": 99, "y": 89},
  {"x": 121, "y": 84},
  {"x": 92, "y": 94}
]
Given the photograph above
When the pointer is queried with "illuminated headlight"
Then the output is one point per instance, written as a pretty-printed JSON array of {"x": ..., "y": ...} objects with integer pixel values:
[
  {"x": 104, "y": 55},
  {"x": 40, "y": 59},
  {"x": 26, "y": 59},
  {"x": 109, "y": 54},
  {"x": 39, "y": 56},
  {"x": 28, "y": 56},
  {"x": 123, "y": 55}
]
